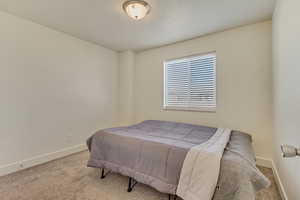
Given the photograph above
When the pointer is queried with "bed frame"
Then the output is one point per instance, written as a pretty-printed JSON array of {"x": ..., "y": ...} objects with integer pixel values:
[{"x": 131, "y": 183}]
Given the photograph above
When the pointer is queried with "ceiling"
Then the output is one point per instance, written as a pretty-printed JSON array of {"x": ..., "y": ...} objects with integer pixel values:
[{"x": 104, "y": 22}]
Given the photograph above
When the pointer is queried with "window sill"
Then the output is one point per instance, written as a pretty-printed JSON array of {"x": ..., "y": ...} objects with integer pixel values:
[{"x": 191, "y": 109}]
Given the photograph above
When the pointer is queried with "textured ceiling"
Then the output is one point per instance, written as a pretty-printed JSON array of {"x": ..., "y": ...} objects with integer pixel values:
[{"x": 104, "y": 22}]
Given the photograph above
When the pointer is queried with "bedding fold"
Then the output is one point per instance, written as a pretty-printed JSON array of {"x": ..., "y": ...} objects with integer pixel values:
[{"x": 201, "y": 168}]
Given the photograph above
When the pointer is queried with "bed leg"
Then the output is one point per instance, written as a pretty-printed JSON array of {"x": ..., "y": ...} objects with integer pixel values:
[
  {"x": 175, "y": 197},
  {"x": 131, "y": 184},
  {"x": 103, "y": 174}
]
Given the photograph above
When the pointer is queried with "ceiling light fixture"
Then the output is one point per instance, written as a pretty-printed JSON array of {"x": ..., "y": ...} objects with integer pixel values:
[{"x": 136, "y": 9}]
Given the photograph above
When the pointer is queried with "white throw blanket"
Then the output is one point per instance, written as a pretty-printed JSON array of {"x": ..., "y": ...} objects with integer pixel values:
[{"x": 201, "y": 168}]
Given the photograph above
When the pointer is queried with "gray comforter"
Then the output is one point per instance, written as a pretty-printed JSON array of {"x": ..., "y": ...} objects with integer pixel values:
[{"x": 153, "y": 152}]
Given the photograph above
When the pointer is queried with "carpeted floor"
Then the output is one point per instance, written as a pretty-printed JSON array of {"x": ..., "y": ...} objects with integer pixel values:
[{"x": 69, "y": 179}]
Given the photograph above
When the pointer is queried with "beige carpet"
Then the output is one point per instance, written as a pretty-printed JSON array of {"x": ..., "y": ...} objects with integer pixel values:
[{"x": 69, "y": 179}]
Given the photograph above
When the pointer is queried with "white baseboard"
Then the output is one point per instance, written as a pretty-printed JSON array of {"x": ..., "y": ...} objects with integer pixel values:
[
  {"x": 279, "y": 182},
  {"x": 265, "y": 162},
  {"x": 37, "y": 160}
]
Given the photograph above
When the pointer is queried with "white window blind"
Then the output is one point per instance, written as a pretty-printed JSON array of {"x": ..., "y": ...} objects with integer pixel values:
[{"x": 190, "y": 83}]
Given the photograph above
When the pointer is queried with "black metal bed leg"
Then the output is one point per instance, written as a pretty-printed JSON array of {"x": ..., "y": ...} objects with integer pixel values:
[
  {"x": 103, "y": 174},
  {"x": 175, "y": 197},
  {"x": 131, "y": 184}
]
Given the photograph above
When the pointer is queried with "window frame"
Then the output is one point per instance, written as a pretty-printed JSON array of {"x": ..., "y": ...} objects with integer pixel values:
[{"x": 189, "y": 108}]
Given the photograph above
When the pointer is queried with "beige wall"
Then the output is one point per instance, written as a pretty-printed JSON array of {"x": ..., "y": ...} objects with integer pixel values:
[
  {"x": 243, "y": 82},
  {"x": 56, "y": 90},
  {"x": 126, "y": 74},
  {"x": 286, "y": 65}
]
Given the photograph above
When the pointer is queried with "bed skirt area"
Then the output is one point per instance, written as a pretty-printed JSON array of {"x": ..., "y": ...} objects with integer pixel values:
[{"x": 154, "y": 182}]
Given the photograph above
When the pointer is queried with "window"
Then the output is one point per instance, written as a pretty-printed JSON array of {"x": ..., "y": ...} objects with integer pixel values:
[{"x": 190, "y": 83}]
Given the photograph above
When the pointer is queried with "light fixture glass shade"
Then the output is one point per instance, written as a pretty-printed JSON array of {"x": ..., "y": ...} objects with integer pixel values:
[{"x": 136, "y": 9}]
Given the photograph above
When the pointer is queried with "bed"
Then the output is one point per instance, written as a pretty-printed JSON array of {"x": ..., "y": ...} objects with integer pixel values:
[{"x": 153, "y": 153}]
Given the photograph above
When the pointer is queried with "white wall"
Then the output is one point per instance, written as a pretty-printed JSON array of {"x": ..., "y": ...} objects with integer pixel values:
[
  {"x": 126, "y": 65},
  {"x": 286, "y": 64},
  {"x": 55, "y": 90},
  {"x": 243, "y": 82}
]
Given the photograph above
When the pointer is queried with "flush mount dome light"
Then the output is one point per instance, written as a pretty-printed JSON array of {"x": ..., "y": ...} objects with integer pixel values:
[{"x": 136, "y": 9}]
